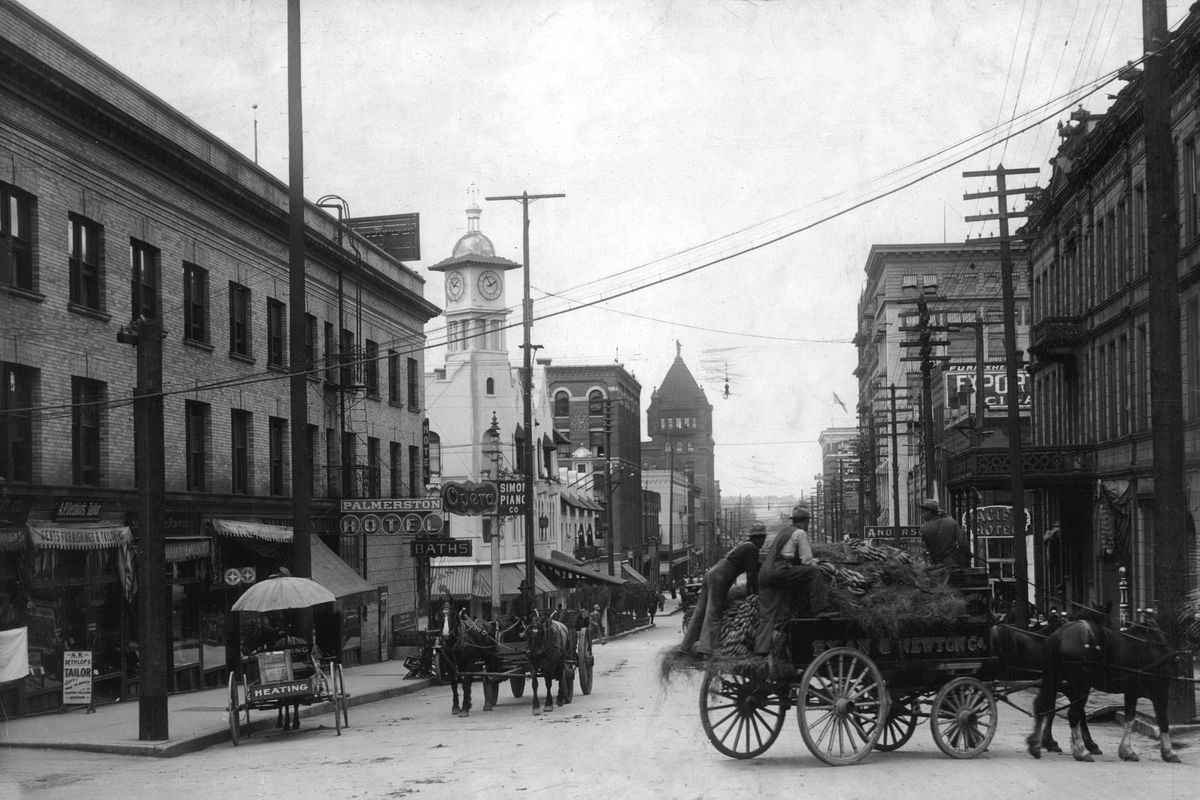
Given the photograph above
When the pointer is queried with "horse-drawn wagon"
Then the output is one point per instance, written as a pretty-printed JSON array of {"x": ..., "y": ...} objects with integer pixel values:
[{"x": 286, "y": 672}]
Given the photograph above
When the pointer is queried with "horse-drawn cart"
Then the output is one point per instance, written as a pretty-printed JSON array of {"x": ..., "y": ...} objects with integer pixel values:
[
  {"x": 854, "y": 692},
  {"x": 291, "y": 673}
]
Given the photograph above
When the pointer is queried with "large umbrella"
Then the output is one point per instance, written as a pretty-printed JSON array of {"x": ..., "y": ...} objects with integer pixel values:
[{"x": 278, "y": 594}]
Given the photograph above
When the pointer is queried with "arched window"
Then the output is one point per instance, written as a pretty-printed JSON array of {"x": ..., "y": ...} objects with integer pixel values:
[
  {"x": 435, "y": 454},
  {"x": 596, "y": 403},
  {"x": 490, "y": 386},
  {"x": 562, "y": 404}
]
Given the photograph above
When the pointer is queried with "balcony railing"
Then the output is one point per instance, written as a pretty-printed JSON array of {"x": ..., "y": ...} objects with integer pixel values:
[
  {"x": 1056, "y": 335},
  {"x": 1046, "y": 464}
]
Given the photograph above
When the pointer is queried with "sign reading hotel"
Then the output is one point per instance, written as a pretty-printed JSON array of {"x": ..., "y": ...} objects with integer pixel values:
[
  {"x": 77, "y": 678},
  {"x": 410, "y": 516}
]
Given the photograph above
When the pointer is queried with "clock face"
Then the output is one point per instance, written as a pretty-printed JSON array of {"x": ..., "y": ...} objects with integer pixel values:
[
  {"x": 490, "y": 284},
  {"x": 455, "y": 285}
]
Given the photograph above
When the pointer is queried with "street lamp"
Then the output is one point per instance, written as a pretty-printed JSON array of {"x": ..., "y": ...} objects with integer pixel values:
[{"x": 491, "y": 443}]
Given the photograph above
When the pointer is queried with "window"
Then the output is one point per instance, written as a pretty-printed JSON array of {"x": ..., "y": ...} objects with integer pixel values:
[
  {"x": 373, "y": 468},
  {"x": 596, "y": 443},
  {"x": 595, "y": 403},
  {"x": 562, "y": 404},
  {"x": 310, "y": 344},
  {"x": 314, "y": 441},
  {"x": 371, "y": 370},
  {"x": 435, "y": 454},
  {"x": 239, "y": 320},
  {"x": 1192, "y": 356},
  {"x": 330, "y": 356},
  {"x": 278, "y": 447},
  {"x": 348, "y": 455},
  {"x": 16, "y": 422},
  {"x": 276, "y": 333},
  {"x": 495, "y": 336},
  {"x": 331, "y": 460},
  {"x": 1190, "y": 164},
  {"x": 196, "y": 436},
  {"x": 195, "y": 303},
  {"x": 394, "y": 392},
  {"x": 1139, "y": 229},
  {"x": 489, "y": 386},
  {"x": 414, "y": 471},
  {"x": 84, "y": 250},
  {"x": 347, "y": 357},
  {"x": 143, "y": 279},
  {"x": 239, "y": 438},
  {"x": 16, "y": 244},
  {"x": 87, "y": 397},
  {"x": 396, "y": 469},
  {"x": 414, "y": 386}
]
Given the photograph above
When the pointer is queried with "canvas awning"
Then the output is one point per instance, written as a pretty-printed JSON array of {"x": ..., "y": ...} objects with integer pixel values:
[
  {"x": 239, "y": 529},
  {"x": 475, "y": 580},
  {"x": 89, "y": 536},
  {"x": 11, "y": 539},
  {"x": 337, "y": 576},
  {"x": 187, "y": 548},
  {"x": 631, "y": 574},
  {"x": 566, "y": 575},
  {"x": 579, "y": 501}
]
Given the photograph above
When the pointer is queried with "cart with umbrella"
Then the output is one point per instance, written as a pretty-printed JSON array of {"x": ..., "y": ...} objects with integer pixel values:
[{"x": 286, "y": 672}]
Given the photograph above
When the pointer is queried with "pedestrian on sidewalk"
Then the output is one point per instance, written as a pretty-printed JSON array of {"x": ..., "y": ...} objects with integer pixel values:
[
  {"x": 705, "y": 626},
  {"x": 595, "y": 624},
  {"x": 651, "y": 608}
]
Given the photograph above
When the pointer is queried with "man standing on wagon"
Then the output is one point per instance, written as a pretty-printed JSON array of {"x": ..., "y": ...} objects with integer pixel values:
[
  {"x": 790, "y": 579},
  {"x": 705, "y": 625},
  {"x": 945, "y": 542}
]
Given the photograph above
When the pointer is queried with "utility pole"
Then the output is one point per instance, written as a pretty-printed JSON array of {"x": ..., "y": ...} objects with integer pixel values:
[
  {"x": 926, "y": 343},
  {"x": 1169, "y": 512},
  {"x": 1014, "y": 363},
  {"x": 893, "y": 425},
  {"x": 525, "y": 198},
  {"x": 153, "y": 598},
  {"x": 608, "y": 479},
  {"x": 297, "y": 324}
]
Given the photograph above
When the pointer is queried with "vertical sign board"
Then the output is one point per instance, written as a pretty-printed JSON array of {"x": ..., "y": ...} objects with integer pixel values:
[
  {"x": 77, "y": 678},
  {"x": 425, "y": 473}
]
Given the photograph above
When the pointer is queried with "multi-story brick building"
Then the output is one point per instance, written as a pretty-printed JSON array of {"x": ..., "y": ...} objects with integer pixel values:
[{"x": 119, "y": 208}]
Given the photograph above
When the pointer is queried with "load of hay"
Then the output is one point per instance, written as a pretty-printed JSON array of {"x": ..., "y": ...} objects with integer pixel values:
[{"x": 877, "y": 586}]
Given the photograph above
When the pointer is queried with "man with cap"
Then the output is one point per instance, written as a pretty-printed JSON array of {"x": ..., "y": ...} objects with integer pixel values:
[
  {"x": 523, "y": 604},
  {"x": 945, "y": 543},
  {"x": 705, "y": 626},
  {"x": 790, "y": 580}
]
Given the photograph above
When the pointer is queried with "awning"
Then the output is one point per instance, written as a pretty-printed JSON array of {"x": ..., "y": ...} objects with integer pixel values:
[
  {"x": 252, "y": 530},
  {"x": 11, "y": 539},
  {"x": 94, "y": 536},
  {"x": 631, "y": 574},
  {"x": 475, "y": 580},
  {"x": 579, "y": 501},
  {"x": 337, "y": 576},
  {"x": 567, "y": 576},
  {"x": 187, "y": 548}
]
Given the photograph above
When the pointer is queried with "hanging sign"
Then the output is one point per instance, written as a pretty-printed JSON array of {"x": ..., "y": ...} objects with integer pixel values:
[{"x": 511, "y": 498}]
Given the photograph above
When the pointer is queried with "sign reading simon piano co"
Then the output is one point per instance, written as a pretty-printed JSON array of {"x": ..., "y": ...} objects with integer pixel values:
[{"x": 512, "y": 498}]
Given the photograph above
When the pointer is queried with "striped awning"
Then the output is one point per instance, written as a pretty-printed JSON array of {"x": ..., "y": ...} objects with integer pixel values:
[
  {"x": 94, "y": 536},
  {"x": 187, "y": 548},
  {"x": 239, "y": 529},
  {"x": 566, "y": 575},
  {"x": 12, "y": 539},
  {"x": 475, "y": 580}
]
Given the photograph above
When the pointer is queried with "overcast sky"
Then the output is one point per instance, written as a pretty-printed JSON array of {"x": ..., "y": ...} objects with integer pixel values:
[{"x": 682, "y": 133}]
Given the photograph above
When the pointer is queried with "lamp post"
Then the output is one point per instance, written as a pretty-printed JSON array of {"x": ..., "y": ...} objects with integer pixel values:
[{"x": 491, "y": 441}]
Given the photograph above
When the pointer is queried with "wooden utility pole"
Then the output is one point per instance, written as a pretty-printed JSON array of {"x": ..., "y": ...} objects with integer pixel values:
[
  {"x": 525, "y": 198},
  {"x": 1169, "y": 514},
  {"x": 301, "y": 476},
  {"x": 893, "y": 425},
  {"x": 154, "y": 635},
  {"x": 926, "y": 343},
  {"x": 1014, "y": 362}
]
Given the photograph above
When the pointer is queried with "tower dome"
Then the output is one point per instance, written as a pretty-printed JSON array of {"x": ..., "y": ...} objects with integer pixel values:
[{"x": 473, "y": 242}]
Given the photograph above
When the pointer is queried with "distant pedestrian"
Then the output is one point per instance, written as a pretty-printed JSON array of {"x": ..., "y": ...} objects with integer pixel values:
[
  {"x": 595, "y": 624},
  {"x": 662, "y": 601},
  {"x": 652, "y": 608}
]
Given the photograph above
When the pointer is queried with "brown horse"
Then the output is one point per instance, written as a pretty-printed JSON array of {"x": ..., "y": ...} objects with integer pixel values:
[
  {"x": 1082, "y": 655},
  {"x": 549, "y": 643},
  {"x": 468, "y": 646}
]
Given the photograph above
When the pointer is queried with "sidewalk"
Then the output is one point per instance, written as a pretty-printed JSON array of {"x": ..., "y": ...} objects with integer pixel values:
[{"x": 196, "y": 720}]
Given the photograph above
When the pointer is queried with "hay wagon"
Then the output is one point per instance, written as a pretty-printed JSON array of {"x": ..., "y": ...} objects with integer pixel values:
[{"x": 855, "y": 690}]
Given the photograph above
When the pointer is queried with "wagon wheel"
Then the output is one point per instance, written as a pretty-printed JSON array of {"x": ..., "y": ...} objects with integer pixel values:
[
  {"x": 246, "y": 700},
  {"x": 568, "y": 683},
  {"x": 234, "y": 711},
  {"x": 840, "y": 701},
  {"x": 963, "y": 718},
  {"x": 517, "y": 685},
  {"x": 742, "y": 712},
  {"x": 902, "y": 719},
  {"x": 339, "y": 686},
  {"x": 583, "y": 651}
]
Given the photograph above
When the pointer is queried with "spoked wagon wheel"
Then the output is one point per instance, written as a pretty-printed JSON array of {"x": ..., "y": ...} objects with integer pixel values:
[
  {"x": 902, "y": 719},
  {"x": 339, "y": 686},
  {"x": 517, "y": 685},
  {"x": 583, "y": 655},
  {"x": 839, "y": 705},
  {"x": 234, "y": 711},
  {"x": 742, "y": 713},
  {"x": 963, "y": 718}
]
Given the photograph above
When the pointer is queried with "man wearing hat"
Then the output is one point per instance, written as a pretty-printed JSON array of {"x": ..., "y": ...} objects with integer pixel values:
[
  {"x": 523, "y": 604},
  {"x": 790, "y": 581},
  {"x": 945, "y": 542},
  {"x": 705, "y": 626}
]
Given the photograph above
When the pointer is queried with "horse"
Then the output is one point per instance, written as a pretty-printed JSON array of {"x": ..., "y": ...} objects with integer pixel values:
[
  {"x": 466, "y": 645},
  {"x": 1082, "y": 655},
  {"x": 549, "y": 643}
]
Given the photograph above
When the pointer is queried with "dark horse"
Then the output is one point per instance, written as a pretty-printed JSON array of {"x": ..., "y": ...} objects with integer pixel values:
[
  {"x": 1082, "y": 655},
  {"x": 467, "y": 646},
  {"x": 549, "y": 643}
]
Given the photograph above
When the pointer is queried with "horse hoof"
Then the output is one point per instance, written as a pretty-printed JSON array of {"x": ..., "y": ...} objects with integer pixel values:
[
  {"x": 1128, "y": 755},
  {"x": 1171, "y": 758},
  {"x": 1094, "y": 749},
  {"x": 1084, "y": 757},
  {"x": 1052, "y": 747},
  {"x": 1036, "y": 752},
  {"x": 464, "y": 713}
]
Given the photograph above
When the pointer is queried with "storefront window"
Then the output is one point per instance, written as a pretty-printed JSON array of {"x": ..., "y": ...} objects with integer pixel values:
[{"x": 185, "y": 635}]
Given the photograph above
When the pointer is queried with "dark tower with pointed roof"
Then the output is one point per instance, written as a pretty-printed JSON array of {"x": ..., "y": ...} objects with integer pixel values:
[{"x": 679, "y": 423}]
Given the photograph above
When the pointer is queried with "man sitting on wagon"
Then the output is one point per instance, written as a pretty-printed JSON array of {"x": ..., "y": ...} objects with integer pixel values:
[{"x": 790, "y": 580}]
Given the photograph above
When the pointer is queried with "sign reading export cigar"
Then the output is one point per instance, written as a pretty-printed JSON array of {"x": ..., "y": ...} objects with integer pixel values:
[{"x": 469, "y": 498}]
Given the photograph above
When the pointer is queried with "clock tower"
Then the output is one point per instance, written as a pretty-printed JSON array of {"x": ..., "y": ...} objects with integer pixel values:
[{"x": 476, "y": 312}]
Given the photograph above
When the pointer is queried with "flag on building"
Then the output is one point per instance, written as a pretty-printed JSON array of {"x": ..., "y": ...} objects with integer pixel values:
[{"x": 838, "y": 400}]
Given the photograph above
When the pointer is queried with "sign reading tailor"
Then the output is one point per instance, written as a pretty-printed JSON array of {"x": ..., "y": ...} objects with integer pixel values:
[
  {"x": 77, "y": 678},
  {"x": 512, "y": 498},
  {"x": 469, "y": 498}
]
